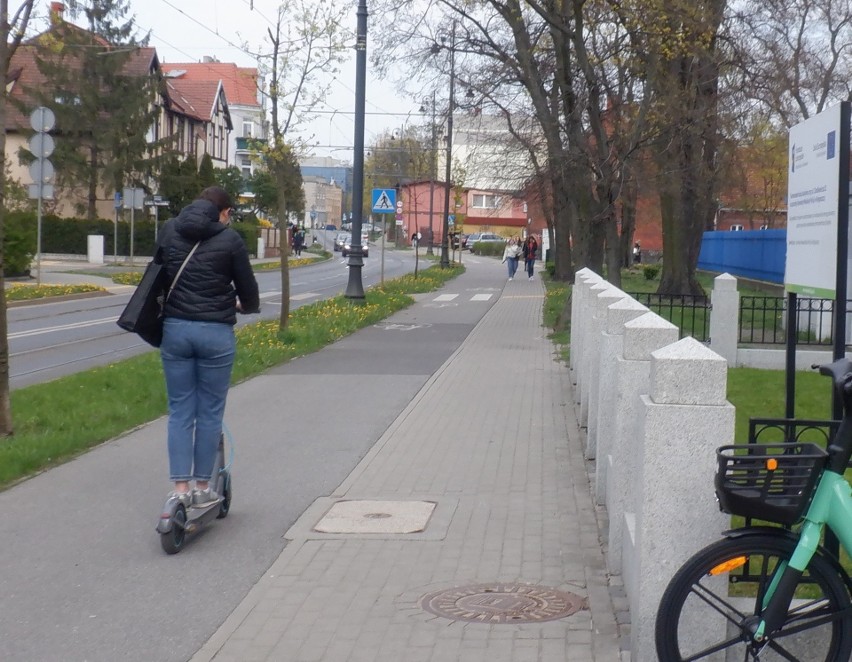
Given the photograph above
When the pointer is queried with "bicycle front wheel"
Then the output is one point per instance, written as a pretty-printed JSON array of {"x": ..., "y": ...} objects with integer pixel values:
[{"x": 705, "y": 612}]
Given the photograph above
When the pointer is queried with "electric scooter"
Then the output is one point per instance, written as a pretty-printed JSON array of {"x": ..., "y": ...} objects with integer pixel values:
[{"x": 178, "y": 520}]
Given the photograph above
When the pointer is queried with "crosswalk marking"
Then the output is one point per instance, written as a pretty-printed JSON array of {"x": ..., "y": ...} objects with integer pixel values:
[
  {"x": 480, "y": 297},
  {"x": 445, "y": 297}
]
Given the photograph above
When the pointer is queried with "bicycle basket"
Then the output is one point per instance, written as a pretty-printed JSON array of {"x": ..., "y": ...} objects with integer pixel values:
[{"x": 772, "y": 482}]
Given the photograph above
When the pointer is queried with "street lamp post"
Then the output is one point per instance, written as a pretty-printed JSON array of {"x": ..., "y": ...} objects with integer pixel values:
[
  {"x": 355, "y": 286},
  {"x": 432, "y": 167},
  {"x": 445, "y": 229}
]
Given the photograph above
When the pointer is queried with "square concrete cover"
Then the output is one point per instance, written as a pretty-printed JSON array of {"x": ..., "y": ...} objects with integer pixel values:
[{"x": 376, "y": 517}]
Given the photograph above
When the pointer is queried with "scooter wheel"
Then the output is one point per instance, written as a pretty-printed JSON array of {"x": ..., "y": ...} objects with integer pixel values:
[
  {"x": 225, "y": 505},
  {"x": 172, "y": 542}
]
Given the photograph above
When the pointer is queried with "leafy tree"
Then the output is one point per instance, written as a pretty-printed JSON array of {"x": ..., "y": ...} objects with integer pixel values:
[
  {"x": 178, "y": 182},
  {"x": 206, "y": 172},
  {"x": 104, "y": 110},
  {"x": 230, "y": 179},
  {"x": 265, "y": 190},
  {"x": 12, "y": 30}
]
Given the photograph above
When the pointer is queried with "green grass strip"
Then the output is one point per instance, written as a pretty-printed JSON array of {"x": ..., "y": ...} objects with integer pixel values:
[{"x": 60, "y": 419}]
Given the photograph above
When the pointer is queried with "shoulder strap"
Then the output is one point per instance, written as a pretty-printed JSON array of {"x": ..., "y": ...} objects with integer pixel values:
[{"x": 180, "y": 271}]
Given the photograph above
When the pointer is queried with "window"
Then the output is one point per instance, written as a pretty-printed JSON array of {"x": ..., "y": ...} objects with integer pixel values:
[
  {"x": 245, "y": 167},
  {"x": 485, "y": 201},
  {"x": 736, "y": 228},
  {"x": 248, "y": 129}
]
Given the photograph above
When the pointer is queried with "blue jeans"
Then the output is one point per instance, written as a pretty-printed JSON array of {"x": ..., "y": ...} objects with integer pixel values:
[
  {"x": 197, "y": 361},
  {"x": 513, "y": 266},
  {"x": 529, "y": 266}
]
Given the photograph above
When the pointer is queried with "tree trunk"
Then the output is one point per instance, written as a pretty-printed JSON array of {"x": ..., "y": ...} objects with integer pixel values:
[
  {"x": 6, "y": 428},
  {"x": 281, "y": 179},
  {"x": 92, "y": 206}
]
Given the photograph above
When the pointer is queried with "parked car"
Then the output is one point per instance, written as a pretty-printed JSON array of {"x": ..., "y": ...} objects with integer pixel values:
[
  {"x": 330, "y": 227},
  {"x": 485, "y": 238},
  {"x": 339, "y": 240},
  {"x": 347, "y": 246}
]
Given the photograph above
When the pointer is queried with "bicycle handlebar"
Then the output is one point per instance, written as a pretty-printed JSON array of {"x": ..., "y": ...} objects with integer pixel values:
[{"x": 840, "y": 448}]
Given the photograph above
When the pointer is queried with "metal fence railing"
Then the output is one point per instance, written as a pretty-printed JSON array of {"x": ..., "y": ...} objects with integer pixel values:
[
  {"x": 689, "y": 312},
  {"x": 763, "y": 320}
]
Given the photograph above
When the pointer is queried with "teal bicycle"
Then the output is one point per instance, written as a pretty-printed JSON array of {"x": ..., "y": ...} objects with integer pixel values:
[{"x": 766, "y": 593}]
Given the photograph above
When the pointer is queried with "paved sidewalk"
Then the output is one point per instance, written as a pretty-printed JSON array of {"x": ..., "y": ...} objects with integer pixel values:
[{"x": 492, "y": 441}]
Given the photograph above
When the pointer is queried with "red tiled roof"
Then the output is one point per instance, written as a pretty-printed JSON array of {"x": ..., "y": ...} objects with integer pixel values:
[
  {"x": 240, "y": 83},
  {"x": 194, "y": 98}
]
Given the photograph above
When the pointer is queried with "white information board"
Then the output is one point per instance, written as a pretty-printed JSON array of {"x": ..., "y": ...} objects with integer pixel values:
[{"x": 813, "y": 192}]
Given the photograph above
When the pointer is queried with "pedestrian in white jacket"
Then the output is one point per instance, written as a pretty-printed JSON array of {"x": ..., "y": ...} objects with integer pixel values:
[{"x": 512, "y": 254}]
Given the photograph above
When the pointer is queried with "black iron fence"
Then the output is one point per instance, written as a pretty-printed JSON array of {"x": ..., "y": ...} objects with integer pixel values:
[
  {"x": 763, "y": 320},
  {"x": 689, "y": 312}
]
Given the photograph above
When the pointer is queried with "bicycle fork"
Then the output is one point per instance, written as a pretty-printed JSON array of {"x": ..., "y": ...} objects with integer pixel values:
[{"x": 781, "y": 590}]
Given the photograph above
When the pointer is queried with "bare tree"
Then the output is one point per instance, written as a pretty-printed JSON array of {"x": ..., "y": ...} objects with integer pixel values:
[
  {"x": 306, "y": 41},
  {"x": 796, "y": 55},
  {"x": 12, "y": 31}
]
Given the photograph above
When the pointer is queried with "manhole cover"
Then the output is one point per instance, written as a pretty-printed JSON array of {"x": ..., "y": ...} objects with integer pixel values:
[{"x": 503, "y": 603}]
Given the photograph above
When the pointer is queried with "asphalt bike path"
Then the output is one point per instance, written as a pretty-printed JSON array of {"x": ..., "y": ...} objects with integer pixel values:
[{"x": 83, "y": 575}]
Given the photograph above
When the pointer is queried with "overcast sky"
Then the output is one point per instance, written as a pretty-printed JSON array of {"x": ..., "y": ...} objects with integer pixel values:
[{"x": 187, "y": 30}]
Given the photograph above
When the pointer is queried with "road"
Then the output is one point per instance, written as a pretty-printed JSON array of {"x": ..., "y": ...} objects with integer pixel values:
[
  {"x": 83, "y": 576},
  {"x": 50, "y": 340}
]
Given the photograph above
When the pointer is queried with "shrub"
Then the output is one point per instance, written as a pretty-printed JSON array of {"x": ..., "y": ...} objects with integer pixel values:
[
  {"x": 19, "y": 242},
  {"x": 550, "y": 267},
  {"x": 650, "y": 271},
  {"x": 489, "y": 248}
]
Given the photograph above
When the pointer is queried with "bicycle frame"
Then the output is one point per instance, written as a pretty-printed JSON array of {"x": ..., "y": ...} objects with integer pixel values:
[{"x": 832, "y": 506}]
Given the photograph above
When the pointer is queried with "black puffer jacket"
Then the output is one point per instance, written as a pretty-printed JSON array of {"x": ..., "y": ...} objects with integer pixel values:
[{"x": 217, "y": 273}]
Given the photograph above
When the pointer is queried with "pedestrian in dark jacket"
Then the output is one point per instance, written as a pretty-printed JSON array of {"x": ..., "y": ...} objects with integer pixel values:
[
  {"x": 298, "y": 241},
  {"x": 530, "y": 251},
  {"x": 198, "y": 345}
]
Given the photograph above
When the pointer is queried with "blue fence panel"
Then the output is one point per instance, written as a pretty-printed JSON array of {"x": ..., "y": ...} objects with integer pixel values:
[{"x": 757, "y": 254}]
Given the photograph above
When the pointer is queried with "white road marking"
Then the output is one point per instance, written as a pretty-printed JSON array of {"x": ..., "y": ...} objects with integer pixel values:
[
  {"x": 61, "y": 327},
  {"x": 481, "y": 297},
  {"x": 445, "y": 297}
]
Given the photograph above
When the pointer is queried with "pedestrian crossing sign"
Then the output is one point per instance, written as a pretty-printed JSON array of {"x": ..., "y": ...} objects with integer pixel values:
[{"x": 384, "y": 200}]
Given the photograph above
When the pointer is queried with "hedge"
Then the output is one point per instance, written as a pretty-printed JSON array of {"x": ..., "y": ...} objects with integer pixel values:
[{"x": 69, "y": 236}]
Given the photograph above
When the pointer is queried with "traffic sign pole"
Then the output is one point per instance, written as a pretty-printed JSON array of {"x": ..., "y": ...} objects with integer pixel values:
[{"x": 41, "y": 145}]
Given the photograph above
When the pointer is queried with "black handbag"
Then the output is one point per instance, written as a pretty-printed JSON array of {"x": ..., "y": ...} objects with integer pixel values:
[{"x": 143, "y": 314}]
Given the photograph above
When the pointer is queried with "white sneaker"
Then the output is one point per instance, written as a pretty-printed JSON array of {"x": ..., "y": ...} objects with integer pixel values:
[
  {"x": 510, "y": 278},
  {"x": 531, "y": 277},
  {"x": 205, "y": 497}
]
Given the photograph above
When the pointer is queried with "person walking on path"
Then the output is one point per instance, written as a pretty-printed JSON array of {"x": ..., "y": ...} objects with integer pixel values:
[
  {"x": 530, "y": 250},
  {"x": 512, "y": 254},
  {"x": 298, "y": 241},
  {"x": 198, "y": 345}
]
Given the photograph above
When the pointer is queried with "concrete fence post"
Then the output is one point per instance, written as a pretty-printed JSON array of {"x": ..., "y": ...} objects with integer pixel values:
[
  {"x": 582, "y": 281},
  {"x": 609, "y": 395},
  {"x": 642, "y": 336},
  {"x": 604, "y": 299},
  {"x": 579, "y": 328},
  {"x": 683, "y": 420},
  {"x": 591, "y": 348},
  {"x": 724, "y": 318}
]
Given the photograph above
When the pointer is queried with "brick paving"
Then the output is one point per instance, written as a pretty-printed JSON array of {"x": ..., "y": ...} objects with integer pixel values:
[{"x": 503, "y": 463}]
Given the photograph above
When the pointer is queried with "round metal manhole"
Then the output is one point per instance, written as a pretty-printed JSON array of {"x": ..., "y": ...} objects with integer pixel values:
[{"x": 503, "y": 603}]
